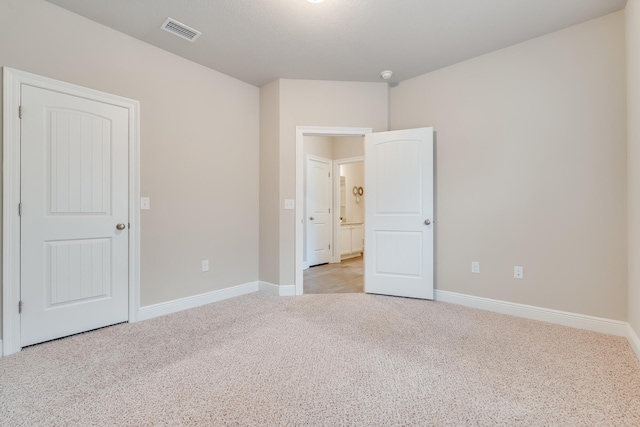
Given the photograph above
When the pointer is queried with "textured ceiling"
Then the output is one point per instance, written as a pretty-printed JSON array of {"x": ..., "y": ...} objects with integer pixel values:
[{"x": 258, "y": 41}]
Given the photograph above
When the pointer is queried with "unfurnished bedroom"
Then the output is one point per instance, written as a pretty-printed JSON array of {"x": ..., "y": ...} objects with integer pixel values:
[{"x": 320, "y": 213}]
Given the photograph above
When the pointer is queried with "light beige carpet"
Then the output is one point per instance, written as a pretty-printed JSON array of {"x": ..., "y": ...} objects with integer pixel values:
[{"x": 325, "y": 360}]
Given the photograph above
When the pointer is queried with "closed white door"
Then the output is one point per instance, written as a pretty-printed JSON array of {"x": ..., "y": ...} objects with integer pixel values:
[
  {"x": 399, "y": 213},
  {"x": 74, "y": 221},
  {"x": 318, "y": 220}
]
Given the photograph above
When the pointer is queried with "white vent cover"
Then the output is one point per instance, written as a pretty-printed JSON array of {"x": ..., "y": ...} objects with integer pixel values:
[{"x": 180, "y": 30}]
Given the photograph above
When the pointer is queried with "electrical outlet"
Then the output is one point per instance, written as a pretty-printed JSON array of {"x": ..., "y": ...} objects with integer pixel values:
[
  {"x": 475, "y": 267},
  {"x": 518, "y": 272},
  {"x": 205, "y": 265}
]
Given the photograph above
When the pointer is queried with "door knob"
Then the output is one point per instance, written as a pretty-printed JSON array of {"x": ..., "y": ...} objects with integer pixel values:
[
  {"x": 311, "y": 218},
  {"x": 427, "y": 221},
  {"x": 121, "y": 226}
]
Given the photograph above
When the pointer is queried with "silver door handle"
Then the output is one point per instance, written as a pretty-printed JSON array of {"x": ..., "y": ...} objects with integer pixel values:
[
  {"x": 427, "y": 222},
  {"x": 311, "y": 218},
  {"x": 121, "y": 226}
]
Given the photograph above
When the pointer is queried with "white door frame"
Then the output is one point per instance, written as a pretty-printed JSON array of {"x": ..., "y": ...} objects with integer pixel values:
[
  {"x": 12, "y": 80},
  {"x": 301, "y": 132},
  {"x": 336, "y": 202}
]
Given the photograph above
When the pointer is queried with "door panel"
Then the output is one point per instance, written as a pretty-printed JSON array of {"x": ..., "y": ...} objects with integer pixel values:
[
  {"x": 74, "y": 191},
  {"x": 318, "y": 221},
  {"x": 398, "y": 242},
  {"x": 77, "y": 270},
  {"x": 398, "y": 177},
  {"x": 387, "y": 243},
  {"x": 79, "y": 162}
]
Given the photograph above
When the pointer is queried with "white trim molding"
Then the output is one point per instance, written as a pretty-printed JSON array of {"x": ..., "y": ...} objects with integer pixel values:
[
  {"x": 564, "y": 318},
  {"x": 279, "y": 290},
  {"x": 156, "y": 310},
  {"x": 12, "y": 83},
  {"x": 633, "y": 339},
  {"x": 557, "y": 317}
]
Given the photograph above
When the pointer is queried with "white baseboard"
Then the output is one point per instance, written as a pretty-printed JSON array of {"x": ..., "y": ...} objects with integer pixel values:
[
  {"x": 564, "y": 318},
  {"x": 633, "y": 339},
  {"x": 279, "y": 290},
  {"x": 305, "y": 265},
  {"x": 597, "y": 324},
  {"x": 156, "y": 310}
]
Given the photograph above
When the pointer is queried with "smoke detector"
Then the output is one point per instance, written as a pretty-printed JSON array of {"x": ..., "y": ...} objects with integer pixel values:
[
  {"x": 179, "y": 29},
  {"x": 386, "y": 74}
]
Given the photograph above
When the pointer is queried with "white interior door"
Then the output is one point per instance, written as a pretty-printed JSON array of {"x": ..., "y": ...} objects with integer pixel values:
[
  {"x": 74, "y": 221},
  {"x": 399, "y": 213},
  {"x": 318, "y": 219}
]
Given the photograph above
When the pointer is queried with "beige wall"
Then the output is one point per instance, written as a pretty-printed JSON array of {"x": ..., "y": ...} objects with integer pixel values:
[
  {"x": 321, "y": 146},
  {"x": 531, "y": 169},
  {"x": 345, "y": 147},
  {"x": 199, "y": 143},
  {"x": 334, "y": 147},
  {"x": 354, "y": 177},
  {"x": 318, "y": 103},
  {"x": 269, "y": 183},
  {"x": 632, "y": 13}
]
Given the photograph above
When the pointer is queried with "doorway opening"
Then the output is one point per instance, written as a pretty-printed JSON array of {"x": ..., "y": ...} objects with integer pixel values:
[
  {"x": 341, "y": 146},
  {"x": 399, "y": 226},
  {"x": 334, "y": 250}
]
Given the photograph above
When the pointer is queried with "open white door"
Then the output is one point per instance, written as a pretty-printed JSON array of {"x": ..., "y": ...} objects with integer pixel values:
[
  {"x": 399, "y": 213},
  {"x": 319, "y": 231}
]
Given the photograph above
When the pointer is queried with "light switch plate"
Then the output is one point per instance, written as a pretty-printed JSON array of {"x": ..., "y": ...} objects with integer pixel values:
[
  {"x": 145, "y": 203},
  {"x": 289, "y": 204}
]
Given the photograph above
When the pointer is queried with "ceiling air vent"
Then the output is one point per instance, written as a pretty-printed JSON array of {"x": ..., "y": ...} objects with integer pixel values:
[{"x": 180, "y": 30}]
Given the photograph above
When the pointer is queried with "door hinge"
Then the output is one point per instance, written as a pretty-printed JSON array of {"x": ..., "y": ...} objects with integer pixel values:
[
  {"x": 20, "y": 307},
  {"x": 20, "y": 111},
  {"x": 329, "y": 174},
  {"x": 329, "y": 210},
  {"x": 19, "y": 209},
  {"x": 329, "y": 246}
]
